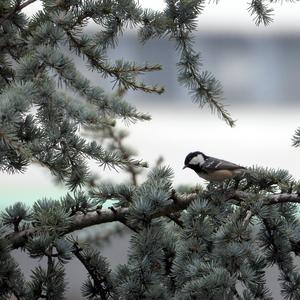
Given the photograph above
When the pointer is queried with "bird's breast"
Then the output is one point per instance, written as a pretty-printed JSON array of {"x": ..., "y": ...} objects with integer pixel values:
[{"x": 218, "y": 175}]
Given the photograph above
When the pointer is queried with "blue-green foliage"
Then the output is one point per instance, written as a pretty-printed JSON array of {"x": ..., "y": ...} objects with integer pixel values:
[
  {"x": 11, "y": 277},
  {"x": 215, "y": 249},
  {"x": 296, "y": 138},
  {"x": 50, "y": 283},
  {"x": 214, "y": 242}
]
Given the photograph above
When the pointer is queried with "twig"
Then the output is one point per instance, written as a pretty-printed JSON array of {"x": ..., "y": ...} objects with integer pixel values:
[
  {"x": 100, "y": 282},
  {"x": 176, "y": 220},
  {"x": 247, "y": 218},
  {"x": 123, "y": 220}
]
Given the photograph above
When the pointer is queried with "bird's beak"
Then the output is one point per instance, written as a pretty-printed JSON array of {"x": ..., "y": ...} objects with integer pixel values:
[{"x": 184, "y": 167}]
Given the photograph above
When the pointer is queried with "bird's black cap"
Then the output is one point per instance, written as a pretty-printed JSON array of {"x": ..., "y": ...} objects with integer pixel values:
[{"x": 191, "y": 155}]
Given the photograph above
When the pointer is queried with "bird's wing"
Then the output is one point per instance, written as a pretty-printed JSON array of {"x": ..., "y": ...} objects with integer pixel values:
[{"x": 212, "y": 163}]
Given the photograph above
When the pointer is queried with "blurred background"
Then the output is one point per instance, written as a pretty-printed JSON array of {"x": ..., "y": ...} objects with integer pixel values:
[{"x": 259, "y": 69}]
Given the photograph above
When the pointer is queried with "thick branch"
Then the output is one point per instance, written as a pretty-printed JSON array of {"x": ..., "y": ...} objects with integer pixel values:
[
  {"x": 119, "y": 214},
  {"x": 267, "y": 199},
  {"x": 178, "y": 203}
]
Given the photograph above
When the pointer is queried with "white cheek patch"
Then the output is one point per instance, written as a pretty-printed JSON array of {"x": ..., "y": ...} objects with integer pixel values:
[{"x": 197, "y": 160}]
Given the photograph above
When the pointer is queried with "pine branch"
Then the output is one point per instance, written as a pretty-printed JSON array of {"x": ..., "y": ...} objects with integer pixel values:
[
  {"x": 50, "y": 265},
  {"x": 118, "y": 73},
  {"x": 204, "y": 88},
  {"x": 101, "y": 286},
  {"x": 18, "y": 7},
  {"x": 266, "y": 200},
  {"x": 119, "y": 214},
  {"x": 279, "y": 251},
  {"x": 118, "y": 139},
  {"x": 262, "y": 13},
  {"x": 296, "y": 138}
]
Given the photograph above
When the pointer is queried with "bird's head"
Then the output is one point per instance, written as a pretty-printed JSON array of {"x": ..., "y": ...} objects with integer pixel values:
[{"x": 194, "y": 159}]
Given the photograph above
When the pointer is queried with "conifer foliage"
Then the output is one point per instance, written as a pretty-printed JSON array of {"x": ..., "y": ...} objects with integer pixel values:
[{"x": 214, "y": 242}]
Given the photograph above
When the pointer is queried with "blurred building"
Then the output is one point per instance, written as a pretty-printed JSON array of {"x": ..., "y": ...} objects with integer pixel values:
[{"x": 251, "y": 68}]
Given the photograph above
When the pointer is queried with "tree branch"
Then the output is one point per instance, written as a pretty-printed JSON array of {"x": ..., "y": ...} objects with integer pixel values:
[
  {"x": 80, "y": 221},
  {"x": 119, "y": 214},
  {"x": 17, "y": 8},
  {"x": 130, "y": 169},
  {"x": 116, "y": 72},
  {"x": 100, "y": 282},
  {"x": 267, "y": 199}
]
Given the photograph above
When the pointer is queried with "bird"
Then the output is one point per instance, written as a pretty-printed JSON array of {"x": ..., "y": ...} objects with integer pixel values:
[{"x": 212, "y": 169}]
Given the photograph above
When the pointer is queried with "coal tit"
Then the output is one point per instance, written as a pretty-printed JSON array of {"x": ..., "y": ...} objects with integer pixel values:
[{"x": 210, "y": 168}]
